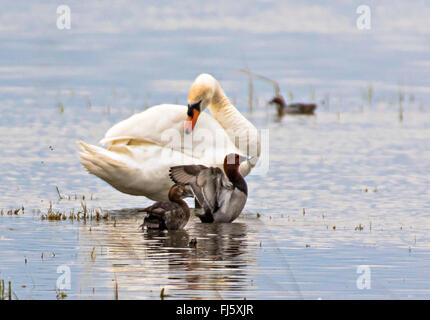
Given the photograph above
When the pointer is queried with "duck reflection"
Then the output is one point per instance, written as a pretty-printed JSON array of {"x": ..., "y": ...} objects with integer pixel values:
[
  {"x": 212, "y": 254},
  {"x": 206, "y": 260}
]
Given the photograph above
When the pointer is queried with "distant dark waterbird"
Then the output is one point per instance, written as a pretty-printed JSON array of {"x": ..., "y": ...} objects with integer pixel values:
[
  {"x": 222, "y": 196},
  {"x": 292, "y": 108},
  {"x": 168, "y": 215}
]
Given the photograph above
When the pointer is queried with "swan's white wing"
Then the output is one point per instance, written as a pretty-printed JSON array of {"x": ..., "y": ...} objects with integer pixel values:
[
  {"x": 148, "y": 125},
  {"x": 163, "y": 125},
  {"x": 137, "y": 170}
]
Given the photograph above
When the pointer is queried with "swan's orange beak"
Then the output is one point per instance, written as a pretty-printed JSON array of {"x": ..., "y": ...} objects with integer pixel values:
[{"x": 191, "y": 121}]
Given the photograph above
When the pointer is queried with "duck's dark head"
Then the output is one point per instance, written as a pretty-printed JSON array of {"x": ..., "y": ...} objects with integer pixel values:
[
  {"x": 280, "y": 103},
  {"x": 177, "y": 192},
  {"x": 232, "y": 163},
  {"x": 277, "y": 100}
]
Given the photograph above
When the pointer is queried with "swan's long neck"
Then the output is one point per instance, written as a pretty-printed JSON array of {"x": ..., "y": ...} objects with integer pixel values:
[
  {"x": 240, "y": 130},
  {"x": 225, "y": 113}
]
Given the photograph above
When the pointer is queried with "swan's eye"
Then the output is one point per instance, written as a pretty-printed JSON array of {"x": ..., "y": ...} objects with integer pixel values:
[
  {"x": 194, "y": 106},
  {"x": 190, "y": 112}
]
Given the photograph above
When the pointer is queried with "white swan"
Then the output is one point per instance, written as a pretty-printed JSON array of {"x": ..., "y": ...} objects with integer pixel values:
[{"x": 142, "y": 148}]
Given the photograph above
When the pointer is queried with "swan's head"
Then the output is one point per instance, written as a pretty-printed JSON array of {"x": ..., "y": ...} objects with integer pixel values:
[{"x": 201, "y": 93}]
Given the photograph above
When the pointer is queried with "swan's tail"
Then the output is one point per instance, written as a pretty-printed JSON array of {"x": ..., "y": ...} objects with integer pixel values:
[{"x": 102, "y": 163}]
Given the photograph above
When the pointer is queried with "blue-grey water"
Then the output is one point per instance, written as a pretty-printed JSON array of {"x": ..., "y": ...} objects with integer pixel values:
[{"x": 347, "y": 189}]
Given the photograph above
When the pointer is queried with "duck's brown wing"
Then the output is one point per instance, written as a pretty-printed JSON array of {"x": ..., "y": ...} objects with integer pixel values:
[
  {"x": 162, "y": 215},
  {"x": 308, "y": 108},
  {"x": 305, "y": 108},
  {"x": 185, "y": 174}
]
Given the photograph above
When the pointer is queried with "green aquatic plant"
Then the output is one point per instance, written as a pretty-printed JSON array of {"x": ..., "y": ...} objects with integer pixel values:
[
  {"x": 93, "y": 254},
  {"x": 401, "y": 99},
  {"x": 84, "y": 214},
  {"x": 61, "y": 295},
  {"x": 60, "y": 197},
  {"x": 3, "y": 295},
  {"x": 2, "y": 290},
  {"x": 163, "y": 295},
  {"x": 60, "y": 106},
  {"x": 69, "y": 197},
  {"x": 116, "y": 288},
  {"x": 12, "y": 212},
  {"x": 370, "y": 94},
  {"x": 359, "y": 227}
]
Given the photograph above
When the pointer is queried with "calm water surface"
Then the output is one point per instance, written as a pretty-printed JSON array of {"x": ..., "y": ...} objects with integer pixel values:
[{"x": 346, "y": 187}]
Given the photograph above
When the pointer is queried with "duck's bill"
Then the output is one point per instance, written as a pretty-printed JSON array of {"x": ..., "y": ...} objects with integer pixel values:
[
  {"x": 187, "y": 193},
  {"x": 191, "y": 121}
]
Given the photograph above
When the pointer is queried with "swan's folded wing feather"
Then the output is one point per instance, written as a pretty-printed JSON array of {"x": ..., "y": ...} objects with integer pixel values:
[
  {"x": 147, "y": 125},
  {"x": 163, "y": 126}
]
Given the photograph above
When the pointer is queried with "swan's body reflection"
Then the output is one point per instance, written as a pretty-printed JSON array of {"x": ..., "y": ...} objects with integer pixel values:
[{"x": 144, "y": 261}]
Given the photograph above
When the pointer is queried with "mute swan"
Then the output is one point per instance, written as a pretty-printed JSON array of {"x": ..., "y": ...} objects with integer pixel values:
[
  {"x": 292, "y": 108},
  {"x": 172, "y": 215},
  {"x": 221, "y": 197},
  {"x": 141, "y": 149}
]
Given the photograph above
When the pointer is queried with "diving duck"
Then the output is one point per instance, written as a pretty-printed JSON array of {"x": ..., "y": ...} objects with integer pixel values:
[
  {"x": 222, "y": 196},
  {"x": 292, "y": 108},
  {"x": 172, "y": 215},
  {"x": 141, "y": 149}
]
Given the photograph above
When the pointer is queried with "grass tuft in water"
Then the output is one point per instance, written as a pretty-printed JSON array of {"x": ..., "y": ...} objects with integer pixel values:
[
  {"x": 163, "y": 295},
  {"x": 359, "y": 227},
  {"x": 84, "y": 214},
  {"x": 116, "y": 288},
  {"x": 12, "y": 212},
  {"x": 401, "y": 99},
  {"x": 61, "y": 295},
  {"x": 60, "y": 197}
]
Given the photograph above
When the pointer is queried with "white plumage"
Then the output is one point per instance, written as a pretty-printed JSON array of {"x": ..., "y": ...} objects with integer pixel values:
[{"x": 141, "y": 149}]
